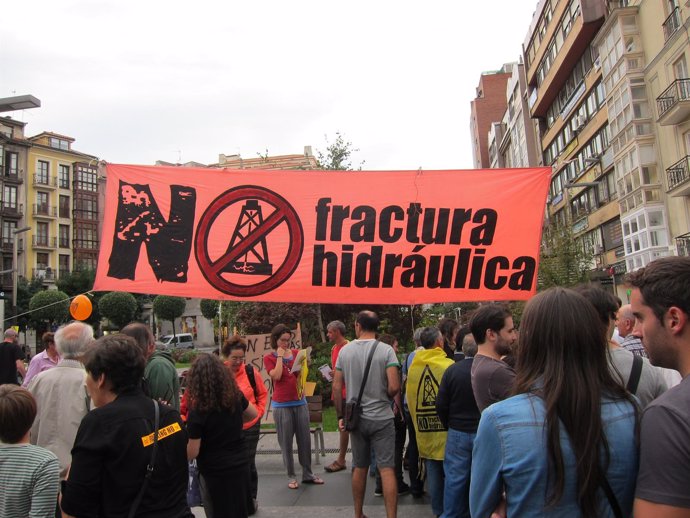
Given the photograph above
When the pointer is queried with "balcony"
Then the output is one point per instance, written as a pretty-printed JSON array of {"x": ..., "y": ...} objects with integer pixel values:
[
  {"x": 45, "y": 211},
  {"x": 63, "y": 242},
  {"x": 678, "y": 175},
  {"x": 671, "y": 24},
  {"x": 11, "y": 210},
  {"x": 673, "y": 104},
  {"x": 49, "y": 182},
  {"x": 7, "y": 244},
  {"x": 63, "y": 272},
  {"x": 683, "y": 245},
  {"x": 12, "y": 177},
  {"x": 44, "y": 242},
  {"x": 46, "y": 274},
  {"x": 6, "y": 281}
]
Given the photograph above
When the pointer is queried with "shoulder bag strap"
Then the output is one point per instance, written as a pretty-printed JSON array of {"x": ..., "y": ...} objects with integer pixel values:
[
  {"x": 611, "y": 497},
  {"x": 366, "y": 371},
  {"x": 150, "y": 466},
  {"x": 635, "y": 373}
]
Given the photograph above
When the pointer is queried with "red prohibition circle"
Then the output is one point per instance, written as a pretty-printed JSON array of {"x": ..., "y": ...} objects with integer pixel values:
[{"x": 284, "y": 213}]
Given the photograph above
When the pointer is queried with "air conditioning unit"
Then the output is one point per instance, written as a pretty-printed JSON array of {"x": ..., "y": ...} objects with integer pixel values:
[{"x": 580, "y": 122}]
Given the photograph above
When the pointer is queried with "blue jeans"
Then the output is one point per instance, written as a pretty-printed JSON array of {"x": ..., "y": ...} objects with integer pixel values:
[
  {"x": 457, "y": 464},
  {"x": 434, "y": 484}
]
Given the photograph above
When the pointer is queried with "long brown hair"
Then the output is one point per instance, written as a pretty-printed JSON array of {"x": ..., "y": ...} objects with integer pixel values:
[
  {"x": 562, "y": 358},
  {"x": 211, "y": 386}
]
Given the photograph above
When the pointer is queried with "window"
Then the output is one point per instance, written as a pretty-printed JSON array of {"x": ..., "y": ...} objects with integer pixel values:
[
  {"x": 42, "y": 202},
  {"x": 86, "y": 207},
  {"x": 86, "y": 178},
  {"x": 63, "y": 235},
  {"x": 63, "y": 176},
  {"x": 42, "y": 260},
  {"x": 59, "y": 143},
  {"x": 9, "y": 197},
  {"x": 42, "y": 172},
  {"x": 42, "y": 233},
  {"x": 7, "y": 233},
  {"x": 11, "y": 164},
  {"x": 64, "y": 206},
  {"x": 63, "y": 264}
]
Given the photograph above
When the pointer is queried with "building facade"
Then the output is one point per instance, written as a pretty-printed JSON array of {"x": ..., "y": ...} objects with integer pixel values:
[{"x": 487, "y": 108}]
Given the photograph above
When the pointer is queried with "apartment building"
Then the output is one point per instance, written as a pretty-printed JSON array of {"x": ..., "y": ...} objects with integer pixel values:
[
  {"x": 488, "y": 107},
  {"x": 568, "y": 99},
  {"x": 13, "y": 165},
  {"x": 62, "y": 208}
]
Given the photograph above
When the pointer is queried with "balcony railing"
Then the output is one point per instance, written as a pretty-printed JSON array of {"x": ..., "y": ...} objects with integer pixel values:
[
  {"x": 63, "y": 242},
  {"x": 44, "y": 273},
  {"x": 7, "y": 243},
  {"x": 677, "y": 174},
  {"x": 44, "y": 242},
  {"x": 671, "y": 24},
  {"x": 12, "y": 209},
  {"x": 45, "y": 181},
  {"x": 63, "y": 272},
  {"x": 683, "y": 244},
  {"x": 44, "y": 210},
  {"x": 678, "y": 91},
  {"x": 12, "y": 176},
  {"x": 6, "y": 280}
]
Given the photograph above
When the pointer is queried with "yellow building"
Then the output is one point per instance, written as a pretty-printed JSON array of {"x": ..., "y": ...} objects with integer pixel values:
[{"x": 62, "y": 215}]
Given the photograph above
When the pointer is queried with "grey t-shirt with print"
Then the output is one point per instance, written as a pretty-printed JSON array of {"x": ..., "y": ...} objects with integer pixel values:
[{"x": 376, "y": 405}]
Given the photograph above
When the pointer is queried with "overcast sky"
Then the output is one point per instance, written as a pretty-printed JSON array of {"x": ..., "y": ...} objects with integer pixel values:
[{"x": 135, "y": 82}]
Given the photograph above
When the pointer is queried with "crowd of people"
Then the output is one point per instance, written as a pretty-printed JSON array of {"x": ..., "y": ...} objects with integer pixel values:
[{"x": 585, "y": 411}]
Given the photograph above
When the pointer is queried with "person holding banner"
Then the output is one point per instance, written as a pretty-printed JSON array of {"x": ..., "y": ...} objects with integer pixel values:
[{"x": 290, "y": 410}]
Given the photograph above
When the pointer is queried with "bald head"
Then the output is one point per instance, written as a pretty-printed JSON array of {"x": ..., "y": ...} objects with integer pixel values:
[
  {"x": 73, "y": 339},
  {"x": 625, "y": 320},
  {"x": 11, "y": 335}
]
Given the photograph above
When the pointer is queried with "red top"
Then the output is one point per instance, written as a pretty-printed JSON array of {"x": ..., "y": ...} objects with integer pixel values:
[
  {"x": 334, "y": 358},
  {"x": 284, "y": 389},
  {"x": 259, "y": 401}
]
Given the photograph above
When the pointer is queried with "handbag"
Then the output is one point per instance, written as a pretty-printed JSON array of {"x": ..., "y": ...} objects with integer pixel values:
[
  {"x": 353, "y": 410},
  {"x": 193, "y": 488}
]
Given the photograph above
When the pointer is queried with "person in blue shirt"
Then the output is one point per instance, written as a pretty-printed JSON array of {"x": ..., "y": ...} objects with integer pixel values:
[{"x": 564, "y": 445}]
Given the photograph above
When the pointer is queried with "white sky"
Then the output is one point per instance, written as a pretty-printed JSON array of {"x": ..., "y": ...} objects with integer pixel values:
[{"x": 136, "y": 82}]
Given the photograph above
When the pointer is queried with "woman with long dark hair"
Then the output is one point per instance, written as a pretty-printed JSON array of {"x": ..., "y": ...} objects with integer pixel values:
[
  {"x": 565, "y": 444},
  {"x": 217, "y": 410}
]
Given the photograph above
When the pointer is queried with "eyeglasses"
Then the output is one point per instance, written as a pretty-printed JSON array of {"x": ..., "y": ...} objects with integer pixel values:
[{"x": 237, "y": 359}]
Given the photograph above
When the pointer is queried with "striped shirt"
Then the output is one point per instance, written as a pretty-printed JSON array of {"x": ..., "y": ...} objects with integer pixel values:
[{"x": 29, "y": 481}]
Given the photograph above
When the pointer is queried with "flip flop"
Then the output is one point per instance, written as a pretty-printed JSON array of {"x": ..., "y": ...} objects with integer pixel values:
[
  {"x": 315, "y": 480},
  {"x": 293, "y": 484},
  {"x": 335, "y": 466}
]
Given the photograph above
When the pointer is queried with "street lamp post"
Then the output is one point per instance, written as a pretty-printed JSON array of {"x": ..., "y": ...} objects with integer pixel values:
[{"x": 15, "y": 265}]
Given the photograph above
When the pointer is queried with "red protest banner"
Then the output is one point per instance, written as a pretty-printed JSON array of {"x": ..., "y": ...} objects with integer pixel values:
[{"x": 393, "y": 237}]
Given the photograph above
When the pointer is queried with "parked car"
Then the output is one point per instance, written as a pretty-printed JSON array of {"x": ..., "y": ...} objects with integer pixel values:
[{"x": 179, "y": 341}]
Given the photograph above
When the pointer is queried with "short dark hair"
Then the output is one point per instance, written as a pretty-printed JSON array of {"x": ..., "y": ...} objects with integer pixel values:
[
  {"x": 448, "y": 326},
  {"x": 428, "y": 337},
  {"x": 664, "y": 283},
  {"x": 277, "y": 332},
  {"x": 119, "y": 358},
  {"x": 368, "y": 321},
  {"x": 488, "y": 316},
  {"x": 232, "y": 343},
  {"x": 606, "y": 303},
  {"x": 47, "y": 337},
  {"x": 141, "y": 334},
  {"x": 388, "y": 339},
  {"x": 17, "y": 413}
]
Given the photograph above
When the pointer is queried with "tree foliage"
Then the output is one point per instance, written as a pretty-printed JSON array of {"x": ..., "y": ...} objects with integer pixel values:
[
  {"x": 565, "y": 261},
  {"x": 49, "y": 305},
  {"x": 338, "y": 155},
  {"x": 209, "y": 308},
  {"x": 119, "y": 307},
  {"x": 169, "y": 308}
]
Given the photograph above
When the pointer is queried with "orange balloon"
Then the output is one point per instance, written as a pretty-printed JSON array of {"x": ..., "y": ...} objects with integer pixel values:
[{"x": 81, "y": 307}]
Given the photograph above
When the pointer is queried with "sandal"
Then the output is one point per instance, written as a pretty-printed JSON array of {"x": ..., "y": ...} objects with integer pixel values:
[
  {"x": 315, "y": 480},
  {"x": 293, "y": 484},
  {"x": 335, "y": 466}
]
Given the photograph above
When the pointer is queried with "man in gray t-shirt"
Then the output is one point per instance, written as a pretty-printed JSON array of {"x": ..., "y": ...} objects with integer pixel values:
[
  {"x": 660, "y": 301},
  {"x": 376, "y": 428}
]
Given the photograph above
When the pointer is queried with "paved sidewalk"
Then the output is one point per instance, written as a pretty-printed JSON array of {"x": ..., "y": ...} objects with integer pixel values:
[{"x": 334, "y": 498}]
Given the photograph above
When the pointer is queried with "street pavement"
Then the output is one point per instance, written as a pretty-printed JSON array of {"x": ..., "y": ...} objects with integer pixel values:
[{"x": 334, "y": 498}]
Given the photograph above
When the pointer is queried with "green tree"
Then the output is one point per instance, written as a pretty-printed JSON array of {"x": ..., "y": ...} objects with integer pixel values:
[
  {"x": 119, "y": 307},
  {"x": 169, "y": 308},
  {"x": 564, "y": 260},
  {"x": 338, "y": 155},
  {"x": 209, "y": 308},
  {"x": 49, "y": 305}
]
